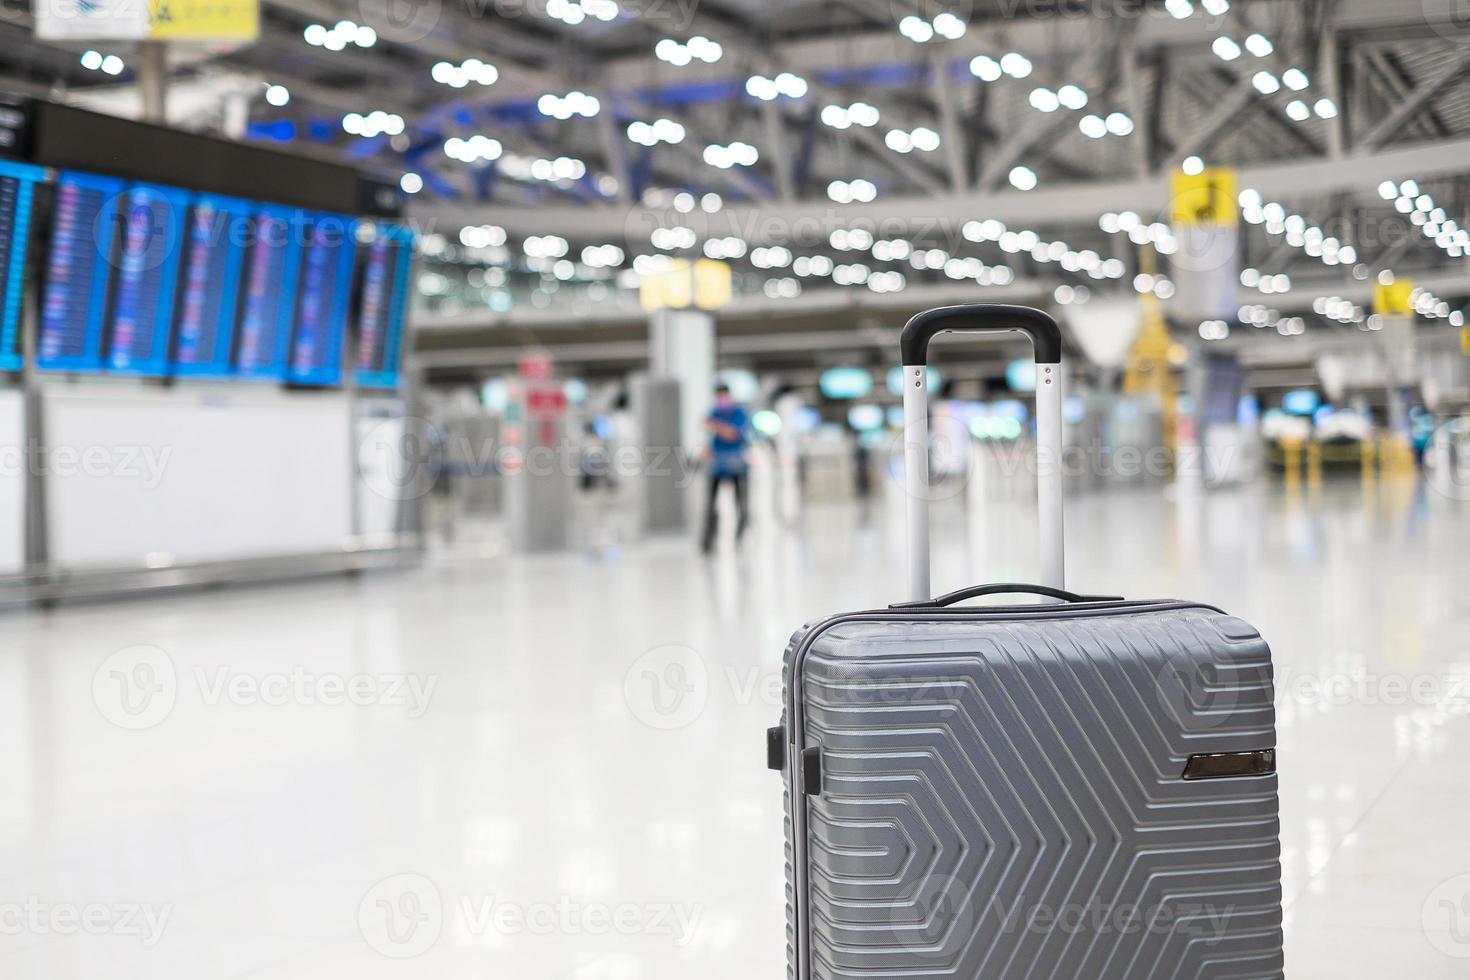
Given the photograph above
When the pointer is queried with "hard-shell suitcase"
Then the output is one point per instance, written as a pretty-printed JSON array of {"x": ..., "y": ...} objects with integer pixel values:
[{"x": 1083, "y": 789}]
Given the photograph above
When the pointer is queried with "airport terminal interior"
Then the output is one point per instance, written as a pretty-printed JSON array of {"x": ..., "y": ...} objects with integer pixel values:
[{"x": 424, "y": 426}]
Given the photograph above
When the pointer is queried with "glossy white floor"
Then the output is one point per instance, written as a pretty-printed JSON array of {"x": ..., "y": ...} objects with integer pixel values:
[{"x": 514, "y": 768}]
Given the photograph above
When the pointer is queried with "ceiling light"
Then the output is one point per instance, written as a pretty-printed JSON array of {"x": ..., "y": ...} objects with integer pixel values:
[
  {"x": 469, "y": 70},
  {"x": 1119, "y": 124},
  {"x": 697, "y": 48},
  {"x": 735, "y": 154},
  {"x": 916, "y": 29},
  {"x": 1072, "y": 97},
  {"x": 1298, "y": 110},
  {"x": 925, "y": 139},
  {"x": 1023, "y": 178},
  {"x": 1295, "y": 79},
  {"x": 112, "y": 65},
  {"x": 1265, "y": 83},
  {"x": 949, "y": 26},
  {"x": 1259, "y": 45},
  {"x": 411, "y": 183},
  {"x": 1179, "y": 9},
  {"x": 1044, "y": 100},
  {"x": 476, "y": 149},
  {"x": 1325, "y": 108},
  {"x": 343, "y": 33},
  {"x": 985, "y": 68},
  {"x": 1193, "y": 165},
  {"x": 277, "y": 95},
  {"x": 1225, "y": 48},
  {"x": 566, "y": 106},
  {"x": 836, "y": 116},
  {"x": 91, "y": 60},
  {"x": 1015, "y": 64},
  {"x": 790, "y": 85},
  {"x": 1093, "y": 127},
  {"x": 761, "y": 87},
  {"x": 704, "y": 49}
]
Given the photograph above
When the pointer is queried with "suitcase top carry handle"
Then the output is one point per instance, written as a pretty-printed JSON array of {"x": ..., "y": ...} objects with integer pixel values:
[
  {"x": 1046, "y": 339},
  {"x": 1003, "y": 588},
  {"x": 1046, "y": 336}
]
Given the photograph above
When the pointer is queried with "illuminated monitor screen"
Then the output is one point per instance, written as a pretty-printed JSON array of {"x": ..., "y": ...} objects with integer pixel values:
[
  {"x": 384, "y": 301},
  {"x": 214, "y": 250},
  {"x": 84, "y": 233},
  {"x": 17, "y": 187},
  {"x": 271, "y": 273},
  {"x": 321, "y": 312},
  {"x": 143, "y": 301}
]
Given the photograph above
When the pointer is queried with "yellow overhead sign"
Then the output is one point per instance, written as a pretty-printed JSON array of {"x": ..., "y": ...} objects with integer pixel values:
[
  {"x": 1394, "y": 299},
  {"x": 1205, "y": 198},
  {"x": 142, "y": 20},
  {"x": 204, "y": 19},
  {"x": 704, "y": 284}
]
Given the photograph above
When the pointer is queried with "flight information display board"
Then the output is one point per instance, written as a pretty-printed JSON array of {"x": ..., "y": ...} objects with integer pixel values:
[
  {"x": 214, "y": 250},
  {"x": 84, "y": 235},
  {"x": 143, "y": 304},
  {"x": 271, "y": 273},
  {"x": 321, "y": 313},
  {"x": 384, "y": 302},
  {"x": 17, "y": 187}
]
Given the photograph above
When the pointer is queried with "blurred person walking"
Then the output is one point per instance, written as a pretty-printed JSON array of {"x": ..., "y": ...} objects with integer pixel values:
[{"x": 728, "y": 425}]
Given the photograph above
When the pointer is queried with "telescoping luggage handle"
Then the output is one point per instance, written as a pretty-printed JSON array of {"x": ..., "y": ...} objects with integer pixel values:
[{"x": 1046, "y": 339}]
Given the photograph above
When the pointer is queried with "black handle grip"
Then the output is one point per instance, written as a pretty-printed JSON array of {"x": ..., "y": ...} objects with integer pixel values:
[
  {"x": 1046, "y": 336},
  {"x": 1003, "y": 588}
]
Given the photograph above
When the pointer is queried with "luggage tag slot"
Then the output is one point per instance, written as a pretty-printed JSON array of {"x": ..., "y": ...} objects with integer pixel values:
[{"x": 1223, "y": 765}]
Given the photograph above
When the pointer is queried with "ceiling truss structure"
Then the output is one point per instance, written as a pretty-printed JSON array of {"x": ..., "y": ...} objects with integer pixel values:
[{"x": 1389, "y": 72}]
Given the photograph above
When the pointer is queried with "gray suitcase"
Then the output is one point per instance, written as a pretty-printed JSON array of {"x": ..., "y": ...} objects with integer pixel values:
[{"x": 1083, "y": 789}]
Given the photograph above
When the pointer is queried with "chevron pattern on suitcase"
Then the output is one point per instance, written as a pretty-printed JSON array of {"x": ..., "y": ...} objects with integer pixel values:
[{"x": 1004, "y": 800}]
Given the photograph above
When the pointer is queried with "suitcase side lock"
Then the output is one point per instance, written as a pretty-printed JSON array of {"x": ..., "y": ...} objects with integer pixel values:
[{"x": 811, "y": 772}]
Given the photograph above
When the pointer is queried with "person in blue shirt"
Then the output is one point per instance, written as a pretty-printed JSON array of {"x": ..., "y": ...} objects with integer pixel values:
[{"x": 728, "y": 426}]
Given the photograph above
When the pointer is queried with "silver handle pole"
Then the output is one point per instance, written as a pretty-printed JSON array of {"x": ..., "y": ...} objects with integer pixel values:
[
  {"x": 916, "y": 475},
  {"x": 1049, "y": 473}
]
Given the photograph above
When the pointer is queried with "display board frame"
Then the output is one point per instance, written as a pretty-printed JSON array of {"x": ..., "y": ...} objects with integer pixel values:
[
  {"x": 160, "y": 327},
  {"x": 272, "y": 366},
  {"x": 26, "y": 176},
  {"x": 237, "y": 214},
  {"x": 329, "y": 371},
  {"x": 387, "y": 376},
  {"x": 98, "y": 290}
]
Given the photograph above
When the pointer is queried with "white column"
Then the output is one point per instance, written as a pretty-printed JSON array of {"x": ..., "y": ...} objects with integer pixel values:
[{"x": 682, "y": 348}]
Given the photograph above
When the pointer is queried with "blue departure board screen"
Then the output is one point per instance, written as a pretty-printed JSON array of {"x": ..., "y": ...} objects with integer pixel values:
[
  {"x": 384, "y": 301},
  {"x": 17, "y": 186},
  {"x": 143, "y": 303},
  {"x": 214, "y": 250},
  {"x": 271, "y": 273},
  {"x": 321, "y": 313},
  {"x": 84, "y": 233}
]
